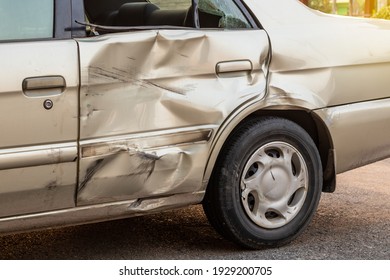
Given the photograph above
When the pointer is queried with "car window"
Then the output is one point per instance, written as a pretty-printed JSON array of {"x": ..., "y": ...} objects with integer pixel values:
[
  {"x": 180, "y": 13},
  {"x": 33, "y": 19},
  {"x": 221, "y": 14}
]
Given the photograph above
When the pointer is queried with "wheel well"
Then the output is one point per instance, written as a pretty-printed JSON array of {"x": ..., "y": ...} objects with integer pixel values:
[{"x": 317, "y": 131}]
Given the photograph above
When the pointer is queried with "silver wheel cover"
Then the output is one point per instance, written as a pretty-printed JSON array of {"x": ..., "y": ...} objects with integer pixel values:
[{"x": 274, "y": 185}]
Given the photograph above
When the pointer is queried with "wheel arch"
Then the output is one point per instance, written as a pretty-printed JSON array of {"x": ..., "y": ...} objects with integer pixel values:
[{"x": 307, "y": 119}]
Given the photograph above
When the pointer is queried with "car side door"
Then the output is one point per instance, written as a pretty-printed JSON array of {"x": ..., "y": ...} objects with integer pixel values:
[
  {"x": 38, "y": 107},
  {"x": 153, "y": 97}
]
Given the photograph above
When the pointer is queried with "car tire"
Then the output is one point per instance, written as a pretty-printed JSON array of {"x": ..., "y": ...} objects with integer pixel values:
[{"x": 266, "y": 184}]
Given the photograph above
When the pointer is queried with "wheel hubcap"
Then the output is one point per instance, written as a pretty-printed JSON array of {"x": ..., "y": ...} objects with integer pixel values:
[{"x": 274, "y": 185}]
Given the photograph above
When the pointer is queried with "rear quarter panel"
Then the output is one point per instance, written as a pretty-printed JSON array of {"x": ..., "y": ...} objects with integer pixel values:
[{"x": 335, "y": 67}]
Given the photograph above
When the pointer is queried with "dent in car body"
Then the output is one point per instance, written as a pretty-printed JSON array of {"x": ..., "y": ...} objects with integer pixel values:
[{"x": 148, "y": 117}]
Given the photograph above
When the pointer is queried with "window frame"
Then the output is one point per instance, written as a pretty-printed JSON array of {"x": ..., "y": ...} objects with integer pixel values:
[
  {"x": 253, "y": 20},
  {"x": 62, "y": 19},
  {"x": 78, "y": 24},
  {"x": 248, "y": 14},
  {"x": 77, "y": 15}
]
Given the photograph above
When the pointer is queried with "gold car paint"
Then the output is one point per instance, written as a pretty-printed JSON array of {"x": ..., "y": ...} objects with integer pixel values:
[
  {"x": 145, "y": 128},
  {"x": 38, "y": 147},
  {"x": 360, "y": 132},
  {"x": 97, "y": 213},
  {"x": 334, "y": 67},
  {"x": 151, "y": 102},
  {"x": 309, "y": 72}
]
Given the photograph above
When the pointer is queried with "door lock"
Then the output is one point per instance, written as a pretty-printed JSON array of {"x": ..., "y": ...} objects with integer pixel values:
[{"x": 48, "y": 104}]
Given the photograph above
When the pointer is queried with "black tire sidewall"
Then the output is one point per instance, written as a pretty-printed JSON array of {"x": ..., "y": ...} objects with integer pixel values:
[{"x": 245, "y": 143}]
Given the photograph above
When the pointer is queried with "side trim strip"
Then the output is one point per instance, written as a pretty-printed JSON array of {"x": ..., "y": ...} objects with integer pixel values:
[
  {"x": 38, "y": 155},
  {"x": 126, "y": 143}
]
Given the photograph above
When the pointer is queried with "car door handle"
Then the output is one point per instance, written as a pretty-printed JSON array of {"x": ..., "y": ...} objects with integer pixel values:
[
  {"x": 43, "y": 86},
  {"x": 234, "y": 66}
]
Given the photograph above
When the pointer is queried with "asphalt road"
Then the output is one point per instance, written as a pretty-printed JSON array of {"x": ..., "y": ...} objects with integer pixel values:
[{"x": 352, "y": 223}]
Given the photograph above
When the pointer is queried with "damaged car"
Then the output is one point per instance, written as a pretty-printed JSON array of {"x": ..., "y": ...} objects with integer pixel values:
[{"x": 112, "y": 109}]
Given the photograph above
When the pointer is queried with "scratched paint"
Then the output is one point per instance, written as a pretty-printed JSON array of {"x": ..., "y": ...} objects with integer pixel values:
[
  {"x": 147, "y": 84},
  {"x": 155, "y": 112}
]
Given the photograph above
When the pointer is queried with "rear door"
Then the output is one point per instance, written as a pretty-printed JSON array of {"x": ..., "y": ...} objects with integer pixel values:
[
  {"x": 38, "y": 107},
  {"x": 153, "y": 97}
]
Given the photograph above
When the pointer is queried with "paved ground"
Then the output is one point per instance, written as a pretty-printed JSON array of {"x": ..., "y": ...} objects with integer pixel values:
[{"x": 352, "y": 223}]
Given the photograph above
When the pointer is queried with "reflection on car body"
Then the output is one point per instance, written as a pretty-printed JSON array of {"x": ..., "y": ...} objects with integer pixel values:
[{"x": 243, "y": 106}]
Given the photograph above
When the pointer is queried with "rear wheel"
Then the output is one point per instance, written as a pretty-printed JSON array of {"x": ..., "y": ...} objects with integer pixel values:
[{"x": 266, "y": 184}]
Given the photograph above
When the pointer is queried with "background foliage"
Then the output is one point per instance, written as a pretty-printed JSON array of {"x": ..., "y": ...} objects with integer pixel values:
[
  {"x": 383, "y": 13},
  {"x": 321, "y": 5}
]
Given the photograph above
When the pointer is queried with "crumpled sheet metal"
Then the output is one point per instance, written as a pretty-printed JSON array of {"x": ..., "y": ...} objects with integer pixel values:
[
  {"x": 142, "y": 86},
  {"x": 150, "y": 81},
  {"x": 137, "y": 174}
]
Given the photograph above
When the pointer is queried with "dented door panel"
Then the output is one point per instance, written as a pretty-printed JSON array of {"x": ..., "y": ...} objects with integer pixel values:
[
  {"x": 151, "y": 78},
  {"x": 138, "y": 87},
  {"x": 132, "y": 174}
]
